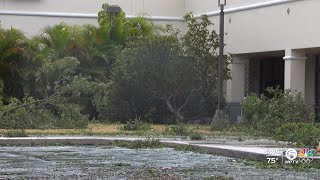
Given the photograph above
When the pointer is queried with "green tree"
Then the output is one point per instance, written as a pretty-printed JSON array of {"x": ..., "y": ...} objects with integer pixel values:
[
  {"x": 125, "y": 30},
  {"x": 59, "y": 41},
  {"x": 149, "y": 71},
  {"x": 13, "y": 57},
  {"x": 65, "y": 66},
  {"x": 172, "y": 72},
  {"x": 162, "y": 69},
  {"x": 201, "y": 44}
]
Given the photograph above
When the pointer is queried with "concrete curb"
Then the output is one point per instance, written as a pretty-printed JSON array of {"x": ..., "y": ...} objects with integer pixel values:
[
  {"x": 62, "y": 141},
  {"x": 221, "y": 151}
]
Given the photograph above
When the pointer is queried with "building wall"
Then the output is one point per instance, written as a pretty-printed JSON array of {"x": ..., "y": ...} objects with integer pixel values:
[
  {"x": 272, "y": 28},
  {"x": 75, "y": 6},
  {"x": 31, "y": 25},
  {"x": 132, "y": 7},
  {"x": 202, "y": 6},
  {"x": 260, "y": 29}
]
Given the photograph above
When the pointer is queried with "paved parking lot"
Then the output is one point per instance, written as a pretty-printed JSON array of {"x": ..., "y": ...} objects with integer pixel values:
[{"x": 105, "y": 162}]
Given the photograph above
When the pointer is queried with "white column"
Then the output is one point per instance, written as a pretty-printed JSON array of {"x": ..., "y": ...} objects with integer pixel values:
[
  {"x": 236, "y": 89},
  {"x": 295, "y": 68},
  {"x": 236, "y": 85}
]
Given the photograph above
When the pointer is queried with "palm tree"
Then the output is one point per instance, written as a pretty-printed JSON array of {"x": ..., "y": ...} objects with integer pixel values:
[
  {"x": 13, "y": 58},
  {"x": 59, "y": 40},
  {"x": 89, "y": 44},
  {"x": 99, "y": 52}
]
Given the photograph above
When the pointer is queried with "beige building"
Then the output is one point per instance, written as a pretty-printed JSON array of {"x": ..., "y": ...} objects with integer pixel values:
[{"x": 274, "y": 42}]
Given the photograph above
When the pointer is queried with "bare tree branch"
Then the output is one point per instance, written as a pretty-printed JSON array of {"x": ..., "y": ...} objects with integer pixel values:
[
  {"x": 27, "y": 104},
  {"x": 188, "y": 98}
]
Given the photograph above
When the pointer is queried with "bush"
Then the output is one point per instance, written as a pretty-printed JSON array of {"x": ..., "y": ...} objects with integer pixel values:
[
  {"x": 220, "y": 123},
  {"x": 196, "y": 136},
  {"x": 70, "y": 117},
  {"x": 182, "y": 130},
  {"x": 188, "y": 148},
  {"x": 136, "y": 125},
  {"x": 254, "y": 108},
  {"x": 266, "y": 114},
  {"x": 304, "y": 134}
]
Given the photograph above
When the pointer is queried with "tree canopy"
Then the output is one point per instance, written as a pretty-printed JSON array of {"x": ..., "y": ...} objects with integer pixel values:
[
  {"x": 169, "y": 71},
  {"x": 70, "y": 74}
]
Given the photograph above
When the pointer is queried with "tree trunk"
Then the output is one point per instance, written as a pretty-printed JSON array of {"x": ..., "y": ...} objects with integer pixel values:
[{"x": 176, "y": 112}]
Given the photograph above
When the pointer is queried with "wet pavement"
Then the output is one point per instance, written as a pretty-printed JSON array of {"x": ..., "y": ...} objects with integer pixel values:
[
  {"x": 106, "y": 162},
  {"x": 254, "y": 149}
]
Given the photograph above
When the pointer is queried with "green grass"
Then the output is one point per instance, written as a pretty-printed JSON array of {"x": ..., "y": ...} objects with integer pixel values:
[
  {"x": 15, "y": 133},
  {"x": 188, "y": 148},
  {"x": 96, "y": 129}
]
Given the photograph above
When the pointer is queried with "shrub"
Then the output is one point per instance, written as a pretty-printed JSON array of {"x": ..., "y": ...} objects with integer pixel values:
[
  {"x": 70, "y": 117},
  {"x": 136, "y": 125},
  {"x": 188, "y": 148},
  {"x": 266, "y": 114},
  {"x": 182, "y": 130},
  {"x": 304, "y": 134},
  {"x": 254, "y": 109},
  {"x": 220, "y": 123},
  {"x": 196, "y": 136}
]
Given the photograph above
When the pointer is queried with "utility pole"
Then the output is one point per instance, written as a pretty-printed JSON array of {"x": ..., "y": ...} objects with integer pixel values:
[
  {"x": 112, "y": 10},
  {"x": 221, "y": 4}
]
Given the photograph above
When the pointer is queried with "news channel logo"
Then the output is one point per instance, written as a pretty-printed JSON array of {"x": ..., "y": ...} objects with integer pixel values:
[{"x": 290, "y": 156}]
